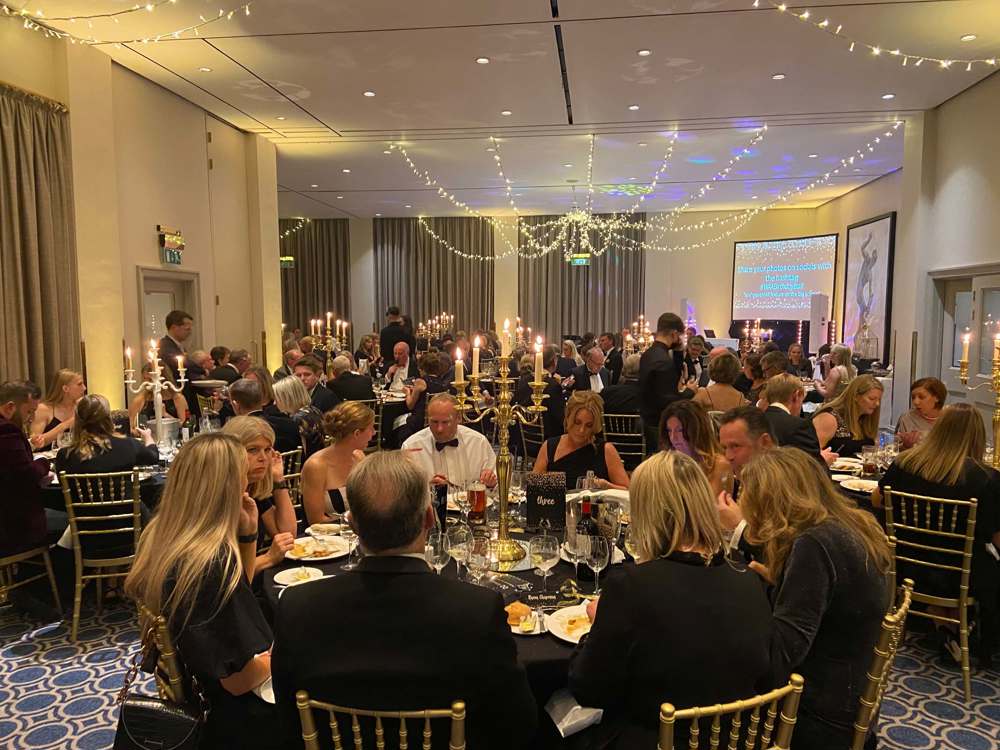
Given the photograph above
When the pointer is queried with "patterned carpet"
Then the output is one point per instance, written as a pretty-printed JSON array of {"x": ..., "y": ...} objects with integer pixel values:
[{"x": 54, "y": 694}]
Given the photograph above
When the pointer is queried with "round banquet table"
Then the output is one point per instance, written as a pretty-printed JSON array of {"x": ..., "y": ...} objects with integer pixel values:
[{"x": 544, "y": 657}]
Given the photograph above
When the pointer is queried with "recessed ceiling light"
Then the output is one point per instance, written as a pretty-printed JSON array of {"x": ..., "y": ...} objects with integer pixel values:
[
  {"x": 386, "y": 151},
  {"x": 633, "y": 178},
  {"x": 315, "y": 186},
  {"x": 813, "y": 156},
  {"x": 567, "y": 165},
  {"x": 633, "y": 107},
  {"x": 753, "y": 197},
  {"x": 369, "y": 94},
  {"x": 968, "y": 37},
  {"x": 378, "y": 214},
  {"x": 280, "y": 117},
  {"x": 644, "y": 52},
  {"x": 205, "y": 70},
  {"x": 642, "y": 144},
  {"x": 857, "y": 169},
  {"x": 491, "y": 149},
  {"x": 407, "y": 206},
  {"x": 506, "y": 113},
  {"x": 778, "y": 77},
  {"x": 346, "y": 171},
  {"x": 340, "y": 197},
  {"x": 483, "y": 60},
  {"x": 887, "y": 97}
]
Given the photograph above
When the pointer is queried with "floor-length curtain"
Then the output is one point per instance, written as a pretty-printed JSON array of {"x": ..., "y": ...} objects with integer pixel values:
[
  {"x": 424, "y": 278},
  {"x": 561, "y": 299},
  {"x": 39, "y": 307},
  {"x": 318, "y": 282}
]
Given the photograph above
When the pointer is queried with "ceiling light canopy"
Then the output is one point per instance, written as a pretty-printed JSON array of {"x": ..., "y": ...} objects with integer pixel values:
[
  {"x": 280, "y": 117},
  {"x": 483, "y": 60},
  {"x": 644, "y": 52},
  {"x": 345, "y": 171},
  {"x": 506, "y": 113},
  {"x": 633, "y": 107},
  {"x": 205, "y": 70},
  {"x": 778, "y": 77},
  {"x": 369, "y": 94},
  {"x": 887, "y": 97},
  {"x": 968, "y": 37}
]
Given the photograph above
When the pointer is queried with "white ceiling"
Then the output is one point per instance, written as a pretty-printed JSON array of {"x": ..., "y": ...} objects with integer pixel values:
[{"x": 708, "y": 78}]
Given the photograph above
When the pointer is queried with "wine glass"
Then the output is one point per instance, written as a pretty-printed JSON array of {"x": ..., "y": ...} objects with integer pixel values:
[
  {"x": 630, "y": 543},
  {"x": 459, "y": 538},
  {"x": 436, "y": 550},
  {"x": 544, "y": 554},
  {"x": 517, "y": 497},
  {"x": 572, "y": 547},
  {"x": 479, "y": 557},
  {"x": 348, "y": 534},
  {"x": 460, "y": 496},
  {"x": 598, "y": 556}
]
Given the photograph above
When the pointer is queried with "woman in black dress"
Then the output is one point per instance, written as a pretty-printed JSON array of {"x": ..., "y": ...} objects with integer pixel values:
[
  {"x": 829, "y": 563},
  {"x": 682, "y": 625},
  {"x": 850, "y": 421},
  {"x": 96, "y": 449},
  {"x": 578, "y": 451},
  {"x": 54, "y": 414},
  {"x": 948, "y": 463},
  {"x": 193, "y": 566},
  {"x": 798, "y": 363}
]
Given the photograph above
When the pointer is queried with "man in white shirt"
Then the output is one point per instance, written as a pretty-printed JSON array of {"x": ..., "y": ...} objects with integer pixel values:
[
  {"x": 448, "y": 451},
  {"x": 402, "y": 368}
]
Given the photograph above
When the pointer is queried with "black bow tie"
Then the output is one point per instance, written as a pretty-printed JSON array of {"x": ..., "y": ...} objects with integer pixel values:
[{"x": 441, "y": 446}]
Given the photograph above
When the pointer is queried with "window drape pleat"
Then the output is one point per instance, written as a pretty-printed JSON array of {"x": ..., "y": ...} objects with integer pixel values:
[
  {"x": 424, "y": 278},
  {"x": 562, "y": 300},
  {"x": 40, "y": 325},
  {"x": 319, "y": 282}
]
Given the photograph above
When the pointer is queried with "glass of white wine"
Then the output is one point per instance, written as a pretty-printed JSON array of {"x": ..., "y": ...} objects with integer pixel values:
[
  {"x": 436, "y": 550},
  {"x": 459, "y": 537},
  {"x": 544, "y": 554}
]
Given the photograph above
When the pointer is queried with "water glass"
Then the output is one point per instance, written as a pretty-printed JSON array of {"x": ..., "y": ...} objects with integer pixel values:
[
  {"x": 598, "y": 556},
  {"x": 480, "y": 556},
  {"x": 436, "y": 550},
  {"x": 348, "y": 535},
  {"x": 459, "y": 539},
  {"x": 543, "y": 551}
]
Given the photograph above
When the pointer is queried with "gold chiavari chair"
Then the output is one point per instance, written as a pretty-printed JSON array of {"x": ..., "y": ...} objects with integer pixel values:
[
  {"x": 891, "y": 635},
  {"x": 934, "y": 533},
  {"x": 376, "y": 442},
  {"x": 104, "y": 511},
  {"x": 764, "y": 711},
  {"x": 292, "y": 466},
  {"x": 205, "y": 403},
  {"x": 7, "y": 569},
  {"x": 168, "y": 673},
  {"x": 310, "y": 736},
  {"x": 532, "y": 440},
  {"x": 624, "y": 431}
]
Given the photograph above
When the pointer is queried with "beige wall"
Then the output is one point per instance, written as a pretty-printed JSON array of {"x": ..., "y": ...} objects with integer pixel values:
[{"x": 32, "y": 62}]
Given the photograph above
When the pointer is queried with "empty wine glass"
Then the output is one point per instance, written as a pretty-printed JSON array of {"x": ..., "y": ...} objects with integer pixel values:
[
  {"x": 544, "y": 554},
  {"x": 459, "y": 537},
  {"x": 598, "y": 556},
  {"x": 479, "y": 557},
  {"x": 436, "y": 550},
  {"x": 572, "y": 548}
]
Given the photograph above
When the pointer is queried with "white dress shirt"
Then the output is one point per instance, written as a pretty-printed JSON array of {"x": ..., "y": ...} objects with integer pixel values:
[
  {"x": 399, "y": 376},
  {"x": 596, "y": 384},
  {"x": 464, "y": 463}
]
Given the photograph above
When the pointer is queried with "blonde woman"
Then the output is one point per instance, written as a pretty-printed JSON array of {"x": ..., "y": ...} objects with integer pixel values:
[
  {"x": 292, "y": 399},
  {"x": 266, "y": 485},
  {"x": 829, "y": 562},
  {"x": 686, "y": 427},
  {"x": 54, "y": 414},
  {"x": 350, "y": 426},
  {"x": 682, "y": 614},
  {"x": 840, "y": 374},
  {"x": 193, "y": 566},
  {"x": 569, "y": 351},
  {"x": 850, "y": 420},
  {"x": 579, "y": 450}
]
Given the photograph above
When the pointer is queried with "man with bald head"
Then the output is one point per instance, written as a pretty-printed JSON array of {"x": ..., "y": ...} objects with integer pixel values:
[
  {"x": 457, "y": 646},
  {"x": 592, "y": 375},
  {"x": 402, "y": 367},
  {"x": 450, "y": 452}
]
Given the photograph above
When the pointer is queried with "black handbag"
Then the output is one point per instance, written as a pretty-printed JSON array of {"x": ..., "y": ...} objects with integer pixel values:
[{"x": 152, "y": 723}]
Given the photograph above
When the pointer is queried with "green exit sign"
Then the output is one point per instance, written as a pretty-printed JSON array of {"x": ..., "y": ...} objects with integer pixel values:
[
  {"x": 170, "y": 256},
  {"x": 580, "y": 259},
  {"x": 171, "y": 245}
]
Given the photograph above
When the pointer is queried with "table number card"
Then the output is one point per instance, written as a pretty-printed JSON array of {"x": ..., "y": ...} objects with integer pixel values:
[{"x": 546, "y": 494}]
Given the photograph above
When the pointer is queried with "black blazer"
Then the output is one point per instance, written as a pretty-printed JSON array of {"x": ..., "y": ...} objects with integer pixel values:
[
  {"x": 555, "y": 404},
  {"x": 391, "y": 335},
  {"x": 614, "y": 362},
  {"x": 124, "y": 454},
  {"x": 350, "y": 386},
  {"x": 169, "y": 352},
  {"x": 671, "y": 630},
  {"x": 792, "y": 431},
  {"x": 622, "y": 398},
  {"x": 323, "y": 398},
  {"x": 408, "y": 639},
  {"x": 581, "y": 378},
  {"x": 659, "y": 376},
  {"x": 282, "y": 372},
  {"x": 227, "y": 372},
  {"x": 286, "y": 432}
]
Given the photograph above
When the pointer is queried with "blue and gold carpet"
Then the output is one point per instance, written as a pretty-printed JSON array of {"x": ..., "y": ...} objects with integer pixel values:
[{"x": 61, "y": 696}]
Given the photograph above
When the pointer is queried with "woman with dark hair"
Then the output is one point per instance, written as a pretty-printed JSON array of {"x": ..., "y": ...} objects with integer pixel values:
[
  {"x": 927, "y": 397},
  {"x": 431, "y": 381},
  {"x": 751, "y": 381},
  {"x": 798, "y": 363},
  {"x": 686, "y": 427}
]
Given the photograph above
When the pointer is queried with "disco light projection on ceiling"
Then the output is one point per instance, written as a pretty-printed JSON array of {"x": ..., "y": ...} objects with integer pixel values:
[{"x": 625, "y": 189}]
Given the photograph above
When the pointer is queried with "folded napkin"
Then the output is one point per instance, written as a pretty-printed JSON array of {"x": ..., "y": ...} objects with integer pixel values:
[{"x": 568, "y": 715}]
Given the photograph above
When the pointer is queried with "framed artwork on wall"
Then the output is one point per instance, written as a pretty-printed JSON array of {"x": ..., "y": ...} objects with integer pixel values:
[{"x": 868, "y": 287}]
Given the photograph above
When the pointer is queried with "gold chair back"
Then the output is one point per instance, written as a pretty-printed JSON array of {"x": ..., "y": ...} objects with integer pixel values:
[
  {"x": 934, "y": 533},
  {"x": 781, "y": 705},
  {"x": 291, "y": 461},
  {"x": 10, "y": 562},
  {"x": 310, "y": 735},
  {"x": 624, "y": 431},
  {"x": 168, "y": 672},
  {"x": 205, "y": 403},
  {"x": 101, "y": 508},
  {"x": 891, "y": 635},
  {"x": 532, "y": 439},
  {"x": 376, "y": 406}
]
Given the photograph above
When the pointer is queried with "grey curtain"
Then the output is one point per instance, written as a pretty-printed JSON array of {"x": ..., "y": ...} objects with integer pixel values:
[
  {"x": 424, "y": 278},
  {"x": 40, "y": 325},
  {"x": 319, "y": 281},
  {"x": 561, "y": 299}
]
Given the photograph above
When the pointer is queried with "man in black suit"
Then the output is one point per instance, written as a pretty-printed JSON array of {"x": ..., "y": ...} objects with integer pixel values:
[
  {"x": 308, "y": 370},
  {"x": 784, "y": 394},
  {"x": 555, "y": 404},
  {"x": 179, "y": 325},
  {"x": 394, "y": 332},
  {"x": 348, "y": 385},
  {"x": 660, "y": 376},
  {"x": 247, "y": 399},
  {"x": 623, "y": 398},
  {"x": 290, "y": 358},
  {"x": 239, "y": 362},
  {"x": 592, "y": 375},
  {"x": 612, "y": 355},
  {"x": 412, "y": 639}
]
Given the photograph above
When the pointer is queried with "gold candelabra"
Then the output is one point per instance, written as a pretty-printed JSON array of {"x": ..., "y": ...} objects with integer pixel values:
[
  {"x": 505, "y": 414},
  {"x": 992, "y": 384}
]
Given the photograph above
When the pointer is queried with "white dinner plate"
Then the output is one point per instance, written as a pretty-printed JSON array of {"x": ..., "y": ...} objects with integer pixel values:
[
  {"x": 850, "y": 460},
  {"x": 337, "y": 547},
  {"x": 835, "y": 477},
  {"x": 860, "y": 485},
  {"x": 293, "y": 576},
  {"x": 617, "y": 556},
  {"x": 558, "y": 623},
  {"x": 842, "y": 466},
  {"x": 516, "y": 629},
  {"x": 209, "y": 385},
  {"x": 324, "y": 529}
]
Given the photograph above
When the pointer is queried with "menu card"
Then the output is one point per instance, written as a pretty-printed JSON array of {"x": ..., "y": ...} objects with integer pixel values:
[{"x": 546, "y": 494}]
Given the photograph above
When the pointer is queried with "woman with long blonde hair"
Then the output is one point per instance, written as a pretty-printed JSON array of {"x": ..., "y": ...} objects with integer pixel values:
[
  {"x": 193, "y": 566},
  {"x": 842, "y": 371},
  {"x": 350, "y": 427},
  {"x": 682, "y": 614},
  {"x": 829, "y": 562},
  {"x": 851, "y": 419},
  {"x": 266, "y": 485},
  {"x": 54, "y": 414}
]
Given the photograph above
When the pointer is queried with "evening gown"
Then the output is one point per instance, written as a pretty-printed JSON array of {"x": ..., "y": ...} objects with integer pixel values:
[{"x": 579, "y": 462}]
